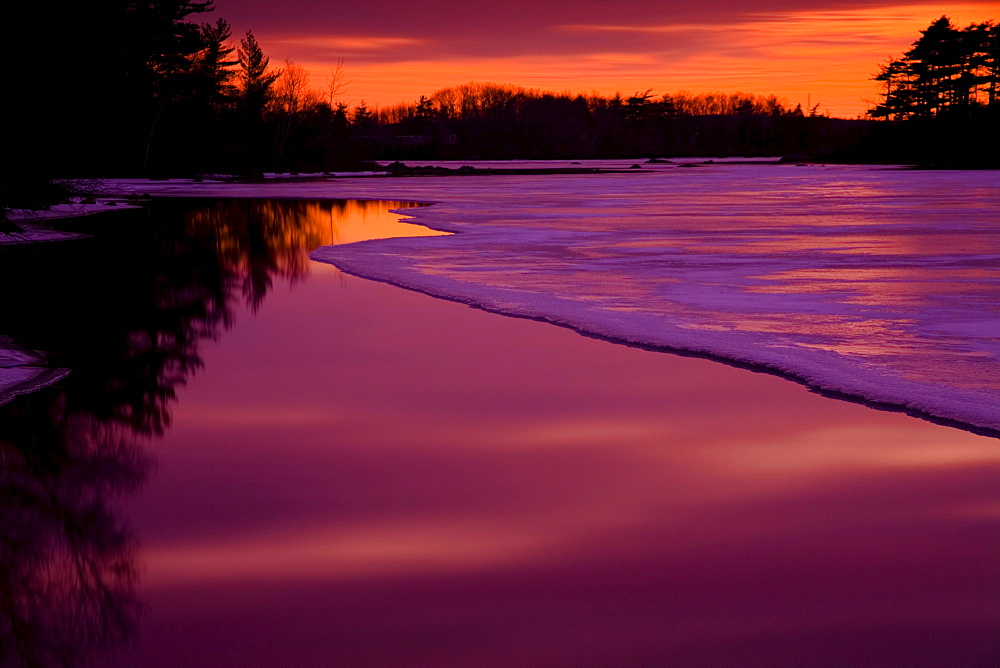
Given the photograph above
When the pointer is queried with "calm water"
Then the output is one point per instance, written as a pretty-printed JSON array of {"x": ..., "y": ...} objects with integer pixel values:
[{"x": 259, "y": 460}]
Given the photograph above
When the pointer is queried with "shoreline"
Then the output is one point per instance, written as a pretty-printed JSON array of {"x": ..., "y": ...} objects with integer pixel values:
[
  {"x": 812, "y": 384},
  {"x": 457, "y": 464},
  {"x": 361, "y": 257},
  {"x": 23, "y": 371}
]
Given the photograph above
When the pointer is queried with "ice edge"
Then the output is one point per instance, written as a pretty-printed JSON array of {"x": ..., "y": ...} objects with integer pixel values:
[{"x": 375, "y": 260}]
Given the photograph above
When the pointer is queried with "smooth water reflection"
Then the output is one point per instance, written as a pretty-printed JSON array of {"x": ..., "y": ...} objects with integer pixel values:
[
  {"x": 412, "y": 482},
  {"x": 127, "y": 312},
  {"x": 352, "y": 474},
  {"x": 67, "y": 558}
]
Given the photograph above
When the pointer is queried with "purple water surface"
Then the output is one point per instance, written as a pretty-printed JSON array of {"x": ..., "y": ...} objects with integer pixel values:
[{"x": 360, "y": 475}]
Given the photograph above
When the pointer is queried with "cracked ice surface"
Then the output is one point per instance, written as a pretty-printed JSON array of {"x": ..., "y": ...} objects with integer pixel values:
[{"x": 883, "y": 284}]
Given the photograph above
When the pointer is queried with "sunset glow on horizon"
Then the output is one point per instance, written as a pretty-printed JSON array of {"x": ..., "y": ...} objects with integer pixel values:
[{"x": 822, "y": 53}]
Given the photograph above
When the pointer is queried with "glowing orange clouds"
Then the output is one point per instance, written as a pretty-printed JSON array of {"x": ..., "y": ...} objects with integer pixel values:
[{"x": 825, "y": 54}]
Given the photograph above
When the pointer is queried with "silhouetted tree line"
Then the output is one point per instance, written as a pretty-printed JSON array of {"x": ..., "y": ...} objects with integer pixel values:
[
  {"x": 121, "y": 88},
  {"x": 941, "y": 99},
  {"x": 489, "y": 120},
  {"x": 155, "y": 88}
]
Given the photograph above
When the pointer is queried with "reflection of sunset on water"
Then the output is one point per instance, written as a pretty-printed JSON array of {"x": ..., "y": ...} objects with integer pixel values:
[
  {"x": 143, "y": 297},
  {"x": 515, "y": 471},
  {"x": 372, "y": 474},
  {"x": 293, "y": 228}
]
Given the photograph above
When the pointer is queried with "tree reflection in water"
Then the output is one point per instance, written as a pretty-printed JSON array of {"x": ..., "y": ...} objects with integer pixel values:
[
  {"x": 126, "y": 311},
  {"x": 67, "y": 569}
]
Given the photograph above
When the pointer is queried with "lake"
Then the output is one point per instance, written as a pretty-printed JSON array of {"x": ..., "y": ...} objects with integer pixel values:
[{"x": 260, "y": 460}]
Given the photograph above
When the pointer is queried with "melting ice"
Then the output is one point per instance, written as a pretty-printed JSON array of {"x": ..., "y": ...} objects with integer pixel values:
[
  {"x": 879, "y": 283},
  {"x": 884, "y": 284}
]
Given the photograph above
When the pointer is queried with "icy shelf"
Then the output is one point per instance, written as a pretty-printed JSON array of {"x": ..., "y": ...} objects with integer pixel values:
[{"x": 880, "y": 284}]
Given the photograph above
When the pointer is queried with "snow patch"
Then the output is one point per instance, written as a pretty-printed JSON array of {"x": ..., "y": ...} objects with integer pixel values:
[{"x": 33, "y": 227}]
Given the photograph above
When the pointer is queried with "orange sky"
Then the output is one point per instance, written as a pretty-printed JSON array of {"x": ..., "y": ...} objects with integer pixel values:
[{"x": 824, "y": 51}]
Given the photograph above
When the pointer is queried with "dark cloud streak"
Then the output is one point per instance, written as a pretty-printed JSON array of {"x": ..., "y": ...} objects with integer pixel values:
[
  {"x": 483, "y": 22},
  {"x": 450, "y": 31}
]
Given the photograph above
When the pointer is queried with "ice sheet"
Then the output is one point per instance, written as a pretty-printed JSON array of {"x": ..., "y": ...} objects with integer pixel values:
[
  {"x": 23, "y": 371},
  {"x": 32, "y": 224},
  {"x": 876, "y": 283}
]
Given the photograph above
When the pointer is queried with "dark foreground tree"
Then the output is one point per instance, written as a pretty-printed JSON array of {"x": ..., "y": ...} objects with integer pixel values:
[{"x": 94, "y": 84}]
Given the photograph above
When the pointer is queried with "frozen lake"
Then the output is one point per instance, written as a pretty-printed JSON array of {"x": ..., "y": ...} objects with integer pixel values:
[
  {"x": 883, "y": 284},
  {"x": 261, "y": 460}
]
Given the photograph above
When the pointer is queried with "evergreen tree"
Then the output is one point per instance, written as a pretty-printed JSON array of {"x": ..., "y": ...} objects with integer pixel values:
[
  {"x": 255, "y": 80},
  {"x": 990, "y": 62},
  {"x": 947, "y": 71},
  {"x": 213, "y": 73},
  {"x": 362, "y": 118}
]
